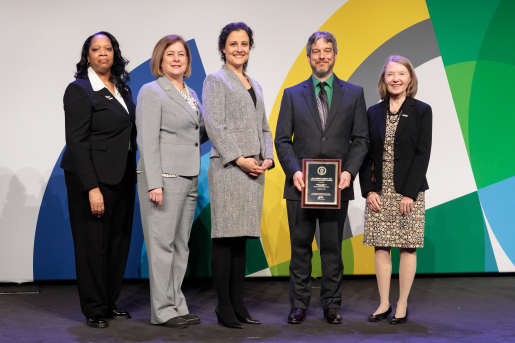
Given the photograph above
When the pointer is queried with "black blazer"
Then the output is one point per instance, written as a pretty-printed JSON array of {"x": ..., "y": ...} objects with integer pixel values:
[
  {"x": 411, "y": 151},
  {"x": 299, "y": 132},
  {"x": 98, "y": 132}
]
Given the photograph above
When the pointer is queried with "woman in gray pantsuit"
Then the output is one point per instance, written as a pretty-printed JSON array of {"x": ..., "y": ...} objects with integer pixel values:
[
  {"x": 170, "y": 131},
  {"x": 236, "y": 122}
]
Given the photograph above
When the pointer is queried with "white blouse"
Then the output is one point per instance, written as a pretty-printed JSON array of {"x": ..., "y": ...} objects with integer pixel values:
[{"x": 98, "y": 84}]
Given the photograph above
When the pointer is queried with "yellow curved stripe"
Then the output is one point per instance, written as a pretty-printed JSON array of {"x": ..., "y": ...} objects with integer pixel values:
[
  {"x": 363, "y": 256},
  {"x": 360, "y": 26}
]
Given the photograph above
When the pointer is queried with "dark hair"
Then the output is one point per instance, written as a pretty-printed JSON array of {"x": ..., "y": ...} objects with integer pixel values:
[
  {"x": 119, "y": 75},
  {"x": 226, "y": 31}
]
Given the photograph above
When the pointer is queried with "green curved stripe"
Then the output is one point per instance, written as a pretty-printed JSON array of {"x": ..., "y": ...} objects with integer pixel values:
[
  {"x": 454, "y": 239},
  {"x": 256, "y": 259},
  {"x": 199, "y": 262},
  {"x": 499, "y": 41},
  {"x": 460, "y": 27},
  {"x": 491, "y": 122},
  {"x": 460, "y": 78}
]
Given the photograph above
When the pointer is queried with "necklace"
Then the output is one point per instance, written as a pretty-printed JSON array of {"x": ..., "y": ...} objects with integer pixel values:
[{"x": 394, "y": 113}]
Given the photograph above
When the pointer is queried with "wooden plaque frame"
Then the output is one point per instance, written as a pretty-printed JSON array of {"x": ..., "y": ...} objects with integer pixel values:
[{"x": 310, "y": 204}]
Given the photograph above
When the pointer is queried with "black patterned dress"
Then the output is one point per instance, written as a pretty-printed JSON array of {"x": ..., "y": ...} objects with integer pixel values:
[{"x": 389, "y": 228}]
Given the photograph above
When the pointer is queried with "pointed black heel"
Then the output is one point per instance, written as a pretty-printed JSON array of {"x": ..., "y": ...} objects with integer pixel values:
[
  {"x": 247, "y": 320},
  {"x": 232, "y": 325},
  {"x": 380, "y": 317},
  {"x": 403, "y": 320}
]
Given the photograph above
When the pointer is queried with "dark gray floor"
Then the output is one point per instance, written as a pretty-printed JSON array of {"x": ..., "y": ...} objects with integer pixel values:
[{"x": 474, "y": 309}]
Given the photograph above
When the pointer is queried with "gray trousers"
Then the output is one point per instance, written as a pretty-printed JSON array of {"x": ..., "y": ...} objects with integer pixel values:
[{"x": 167, "y": 232}]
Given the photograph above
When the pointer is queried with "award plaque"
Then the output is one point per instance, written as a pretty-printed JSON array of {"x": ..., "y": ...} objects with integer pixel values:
[{"x": 321, "y": 178}]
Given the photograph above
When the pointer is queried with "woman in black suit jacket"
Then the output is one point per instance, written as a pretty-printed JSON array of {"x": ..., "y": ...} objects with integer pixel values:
[
  {"x": 100, "y": 174},
  {"x": 393, "y": 180}
]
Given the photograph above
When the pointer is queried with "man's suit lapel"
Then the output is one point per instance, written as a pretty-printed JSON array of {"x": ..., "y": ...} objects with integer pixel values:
[
  {"x": 407, "y": 113},
  {"x": 309, "y": 95},
  {"x": 170, "y": 90},
  {"x": 335, "y": 102}
]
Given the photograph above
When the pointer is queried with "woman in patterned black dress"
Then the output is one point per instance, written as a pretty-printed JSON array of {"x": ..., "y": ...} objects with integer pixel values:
[{"x": 393, "y": 180}]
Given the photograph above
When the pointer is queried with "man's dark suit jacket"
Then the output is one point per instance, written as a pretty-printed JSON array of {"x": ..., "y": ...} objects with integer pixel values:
[
  {"x": 98, "y": 132},
  {"x": 299, "y": 132},
  {"x": 411, "y": 151}
]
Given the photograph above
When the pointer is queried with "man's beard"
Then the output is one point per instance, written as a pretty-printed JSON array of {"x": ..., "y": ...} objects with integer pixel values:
[{"x": 322, "y": 73}]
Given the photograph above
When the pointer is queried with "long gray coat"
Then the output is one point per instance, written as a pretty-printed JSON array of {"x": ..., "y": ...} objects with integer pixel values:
[{"x": 236, "y": 128}]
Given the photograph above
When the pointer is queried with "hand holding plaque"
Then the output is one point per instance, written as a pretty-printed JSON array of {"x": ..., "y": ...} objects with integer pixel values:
[{"x": 321, "y": 179}]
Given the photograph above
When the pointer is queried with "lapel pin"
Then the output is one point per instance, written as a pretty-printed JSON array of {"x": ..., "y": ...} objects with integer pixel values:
[
  {"x": 109, "y": 97},
  {"x": 404, "y": 115},
  {"x": 167, "y": 87}
]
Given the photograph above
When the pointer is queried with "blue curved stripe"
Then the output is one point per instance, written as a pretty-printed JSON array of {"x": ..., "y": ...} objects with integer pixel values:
[{"x": 499, "y": 211}]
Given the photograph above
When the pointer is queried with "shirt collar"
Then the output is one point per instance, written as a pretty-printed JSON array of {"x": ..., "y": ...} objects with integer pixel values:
[
  {"x": 329, "y": 81},
  {"x": 96, "y": 83}
]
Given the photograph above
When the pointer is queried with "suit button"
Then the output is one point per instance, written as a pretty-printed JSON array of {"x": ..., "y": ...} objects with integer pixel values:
[
  {"x": 323, "y": 139},
  {"x": 196, "y": 127},
  {"x": 196, "y": 144},
  {"x": 396, "y": 143},
  {"x": 396, "y": 158}
]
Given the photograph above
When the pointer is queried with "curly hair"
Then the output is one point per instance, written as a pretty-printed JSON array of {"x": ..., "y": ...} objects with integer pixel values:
[
  {"x": 226, "y": 31},
  {"x": 119, "y": 75}
]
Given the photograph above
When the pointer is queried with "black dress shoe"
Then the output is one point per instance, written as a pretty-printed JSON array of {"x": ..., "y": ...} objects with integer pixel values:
[
  {"x": 297, "y": 315},
  {"x": 246, "y": 320},
  {"x": 402, "y": 320},
  {"x": 333, "y": 316},
  {"x": 233, "y": 324},
  {"x": 192, "y": 319},
  {"x": 117, "y": 315},
  {"x": 97, "y": 321},
  {"x": 176, "y": 323},
  {"x": 380, "y": 316}
]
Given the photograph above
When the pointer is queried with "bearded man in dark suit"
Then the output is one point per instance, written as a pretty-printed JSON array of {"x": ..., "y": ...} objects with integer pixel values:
[{"x": 321, "y": 118}]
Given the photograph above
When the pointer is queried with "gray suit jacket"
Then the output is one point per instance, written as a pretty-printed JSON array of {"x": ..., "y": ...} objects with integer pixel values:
[
  {"x": 233, "y": 120},
  {"x": 169, "y": 132}
]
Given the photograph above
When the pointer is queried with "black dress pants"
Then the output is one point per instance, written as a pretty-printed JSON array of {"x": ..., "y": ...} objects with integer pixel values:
[
  {"x": 302, "y": 224},
  {"x": 101, "y": 244}
]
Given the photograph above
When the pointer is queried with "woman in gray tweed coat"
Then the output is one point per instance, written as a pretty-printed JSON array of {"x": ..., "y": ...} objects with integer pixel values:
[{"x": 236, "y": 123}]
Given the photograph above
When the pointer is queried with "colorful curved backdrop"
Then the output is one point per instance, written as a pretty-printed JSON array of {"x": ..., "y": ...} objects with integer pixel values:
[{"x": 464, "y": 56}]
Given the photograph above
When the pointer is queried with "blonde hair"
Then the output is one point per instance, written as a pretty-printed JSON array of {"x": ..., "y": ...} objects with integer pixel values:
[
  {"x": 159, "y": 50},
  {"x": 411, "y": 91}
]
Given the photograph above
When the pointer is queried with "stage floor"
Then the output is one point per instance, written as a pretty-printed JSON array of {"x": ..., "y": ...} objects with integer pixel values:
[{"x": 471, "y": 309}]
